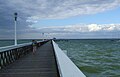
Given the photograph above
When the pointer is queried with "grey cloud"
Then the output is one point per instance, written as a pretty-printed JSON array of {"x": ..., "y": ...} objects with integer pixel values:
[{"x": 37, "y": 9}]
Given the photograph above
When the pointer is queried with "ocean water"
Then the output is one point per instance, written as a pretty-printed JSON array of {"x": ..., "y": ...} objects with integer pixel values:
[
  {"x": 95, "y": 58},
  {"x": 4, "y": 43}
]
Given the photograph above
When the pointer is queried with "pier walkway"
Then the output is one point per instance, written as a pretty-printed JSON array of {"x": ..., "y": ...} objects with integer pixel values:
[{"x": 41, "y": 64}]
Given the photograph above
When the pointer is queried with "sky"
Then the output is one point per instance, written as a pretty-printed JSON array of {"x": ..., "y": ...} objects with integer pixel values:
[{"x": 66, "y": 19}]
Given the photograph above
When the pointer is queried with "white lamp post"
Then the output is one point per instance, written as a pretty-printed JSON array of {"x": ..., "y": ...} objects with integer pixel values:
[{"x": 15, "y": 14}]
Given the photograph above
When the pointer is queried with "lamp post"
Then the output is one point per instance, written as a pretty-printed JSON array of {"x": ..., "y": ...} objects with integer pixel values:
[{"x": 15, "y": 15}]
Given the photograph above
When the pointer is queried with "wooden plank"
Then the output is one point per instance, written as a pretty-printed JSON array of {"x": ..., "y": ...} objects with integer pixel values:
[{"x": 42, "y": 64}]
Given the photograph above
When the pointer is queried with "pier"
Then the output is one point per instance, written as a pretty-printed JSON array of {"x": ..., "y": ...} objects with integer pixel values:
[{"x": 48, "y": 61}]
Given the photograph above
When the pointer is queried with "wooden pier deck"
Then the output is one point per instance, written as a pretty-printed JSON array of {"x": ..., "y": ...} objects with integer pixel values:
[{"x": 42, "y": 64}]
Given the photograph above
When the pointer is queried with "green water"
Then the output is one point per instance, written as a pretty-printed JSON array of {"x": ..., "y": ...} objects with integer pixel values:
[{"x": 95, "y": 58}]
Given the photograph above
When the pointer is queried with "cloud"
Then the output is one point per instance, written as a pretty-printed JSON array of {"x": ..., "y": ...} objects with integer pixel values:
[
  {"x": 79, "y": 28},
  {"x": 55, "y": 9},
  {"x": 58, "y": 9},
  {"x": 30, "y": 11},
  {"x": 70, "y": 31},
  {"x": 82, "y": 31},
  {"x": 94, "y": 27}
]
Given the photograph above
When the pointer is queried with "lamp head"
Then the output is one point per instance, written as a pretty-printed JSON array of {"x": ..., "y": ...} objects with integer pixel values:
[{"x": 15, "y": 14}]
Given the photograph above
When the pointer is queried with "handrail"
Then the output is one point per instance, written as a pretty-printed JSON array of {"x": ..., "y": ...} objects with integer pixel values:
[
  {"x": 65, "y": 66},
  {"x": 2, "y": 49}
]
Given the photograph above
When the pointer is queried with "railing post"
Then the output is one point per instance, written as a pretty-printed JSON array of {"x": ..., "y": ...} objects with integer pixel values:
[
  {"x": 0, "y": 61},
  {"x": 11, "y": 56},
  {"x": 6, "y": 58}
]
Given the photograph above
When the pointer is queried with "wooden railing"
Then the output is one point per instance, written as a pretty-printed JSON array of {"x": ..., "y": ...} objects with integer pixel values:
[{"x": 9, "y": 54}]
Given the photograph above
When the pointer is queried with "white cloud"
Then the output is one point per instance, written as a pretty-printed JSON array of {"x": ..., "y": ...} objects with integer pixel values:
[
  {"x": 80, "y": 28},
  {"x": 94, "y": 27},
  {"x": 111, "y": 28}
]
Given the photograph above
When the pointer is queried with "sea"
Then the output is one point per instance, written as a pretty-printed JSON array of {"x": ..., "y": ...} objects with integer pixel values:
[{"x": 94, "y": 57}]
